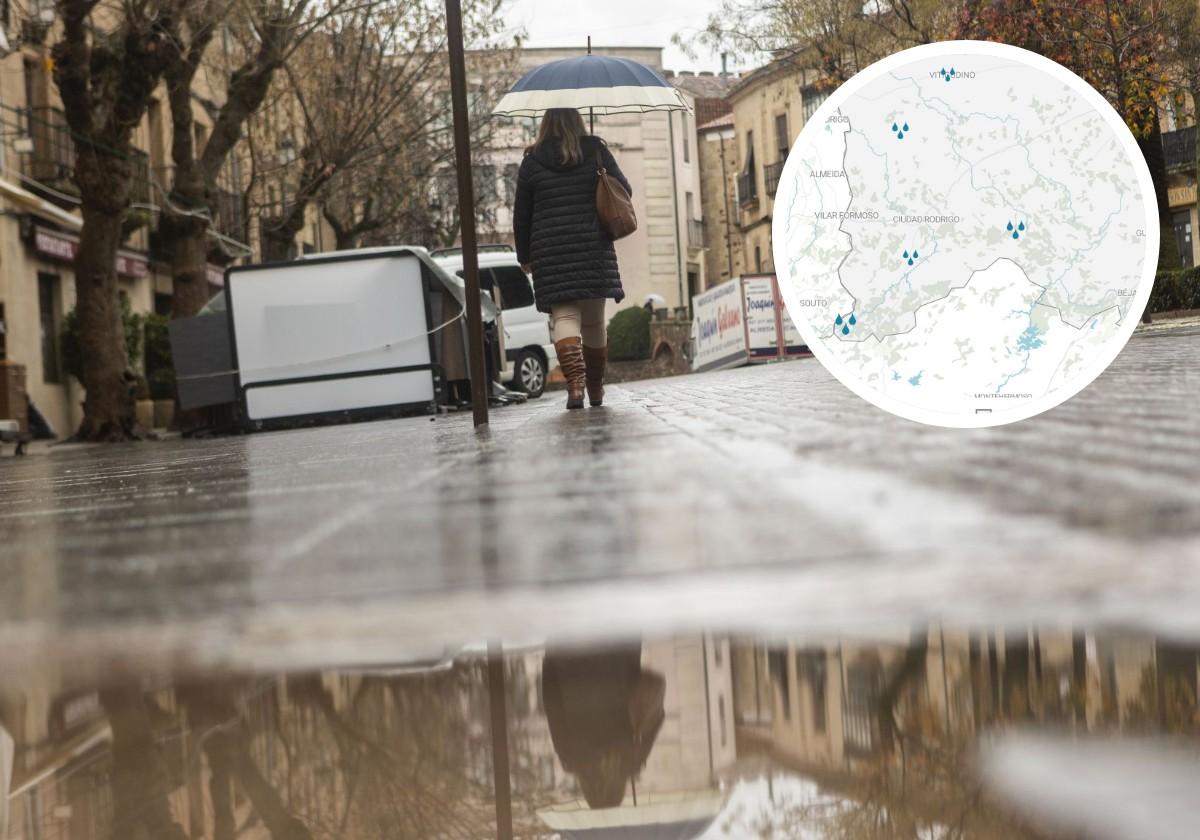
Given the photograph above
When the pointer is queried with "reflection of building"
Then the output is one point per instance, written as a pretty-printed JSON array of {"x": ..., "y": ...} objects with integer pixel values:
[
  {"x": 832, "y": 705},
  {"x": 697, "y": 739}
]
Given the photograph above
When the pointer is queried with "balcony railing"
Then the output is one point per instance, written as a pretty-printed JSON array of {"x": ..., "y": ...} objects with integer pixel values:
[
  {"x": 51, "y": 163},
  {"x": 771, "y": 175},
  {"x": 1179, "y": 148},
  {"x": 747, "y": 189},
  {"x": 695, "y": 233}
]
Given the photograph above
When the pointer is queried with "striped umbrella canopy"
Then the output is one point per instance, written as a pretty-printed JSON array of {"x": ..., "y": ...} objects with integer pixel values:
[{"x": 595, "y": 84}]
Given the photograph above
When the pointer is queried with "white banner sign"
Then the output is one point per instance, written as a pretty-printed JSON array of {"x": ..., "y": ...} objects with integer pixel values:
[{"x": 718, "y": 328}]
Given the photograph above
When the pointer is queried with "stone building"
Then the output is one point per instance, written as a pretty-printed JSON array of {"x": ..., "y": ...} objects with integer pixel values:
[
  {"x": 656, "y": 152},
  {"x": 770, "y": 106},
  {"x": 1179, "y": 148},
  {"x": 40, "y": 222},
  {"x": 711, "y": 232},
  {"x": 717, "y": 143}
]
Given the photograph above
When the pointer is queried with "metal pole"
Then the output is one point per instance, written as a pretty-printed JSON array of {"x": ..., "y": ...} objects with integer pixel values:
[
  {"x": 466, "y": 204},
  {"x": 503, "y": 791},
  {"x": 680, "y": 256}
]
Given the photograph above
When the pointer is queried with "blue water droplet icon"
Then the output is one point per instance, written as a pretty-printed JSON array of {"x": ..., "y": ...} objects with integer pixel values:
[
  {"x": 900, "y": 136},
  {"x": 845, "y": 331},
  {"x": 1016, "y": 235},
  {"x": 1010, "y": 225},
  {"x": 853, "y": 320},
  {"x": 951, "y": 71},
  {"x": 905, "y": 127},
  {"x": 1021, "y": 226},
  {"x": 946, "y": 77},
  {"x": 905, "y": 255},
  {"x": 838, "y": 320},
  {"x": 943, "y": 71},
  {"x": 910, "y": 261},
  {"x": 895, "y": 127},
  {"x": 915, "y": 255}
]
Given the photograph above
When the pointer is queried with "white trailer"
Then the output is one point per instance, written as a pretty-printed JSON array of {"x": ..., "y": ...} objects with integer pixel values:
[{"x": 337, "y": 335}]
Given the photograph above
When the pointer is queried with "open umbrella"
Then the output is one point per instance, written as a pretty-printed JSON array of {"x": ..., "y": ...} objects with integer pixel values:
[{"x": 601, "y": 84}]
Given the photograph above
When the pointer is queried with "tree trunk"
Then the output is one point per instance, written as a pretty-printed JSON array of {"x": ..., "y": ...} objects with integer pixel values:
[
  {"x": 1016, "y": 677},
  {"x": 910, "y": 667},
  {"x": 189, "y": 266},
  {"x": 140, "y": 805},
  {"x": 277, "y": 243},
  {"x": 279, "y": 233},
  {"x": 109, "y": 412}
]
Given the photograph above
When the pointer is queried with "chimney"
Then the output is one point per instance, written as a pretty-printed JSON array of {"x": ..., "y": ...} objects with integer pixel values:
[{"x": 724, "y": 64}]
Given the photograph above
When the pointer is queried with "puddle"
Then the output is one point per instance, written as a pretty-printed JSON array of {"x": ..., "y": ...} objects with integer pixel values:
[{"x": 937, "y": 733}]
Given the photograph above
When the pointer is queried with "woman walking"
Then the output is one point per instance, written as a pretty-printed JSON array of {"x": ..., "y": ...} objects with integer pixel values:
[{"x": 560, "y": 240}]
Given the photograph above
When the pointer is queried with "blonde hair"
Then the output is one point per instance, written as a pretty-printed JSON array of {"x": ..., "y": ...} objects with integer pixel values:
[{"x": 566, "y": 126}]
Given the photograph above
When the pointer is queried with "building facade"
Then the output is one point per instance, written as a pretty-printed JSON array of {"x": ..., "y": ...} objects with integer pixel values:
[
  {"x": 724, "y": 257},
  {"x": 1179, "y": 149},
  {"x": 40, "y": 221},
  {"x": 770, "y": 106}
]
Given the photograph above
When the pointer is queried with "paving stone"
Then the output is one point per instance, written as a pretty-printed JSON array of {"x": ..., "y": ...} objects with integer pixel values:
[{"x": 756, "y": 497}]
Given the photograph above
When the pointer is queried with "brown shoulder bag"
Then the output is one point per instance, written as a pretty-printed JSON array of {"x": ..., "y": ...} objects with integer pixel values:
[{"x": 613, "y": 204}]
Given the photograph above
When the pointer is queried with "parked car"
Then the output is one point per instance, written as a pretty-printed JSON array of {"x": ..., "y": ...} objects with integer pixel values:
[{"x": 528, "y": 348}]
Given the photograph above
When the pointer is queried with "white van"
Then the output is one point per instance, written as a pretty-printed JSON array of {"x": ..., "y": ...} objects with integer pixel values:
[{"x": 528, "y": 349}]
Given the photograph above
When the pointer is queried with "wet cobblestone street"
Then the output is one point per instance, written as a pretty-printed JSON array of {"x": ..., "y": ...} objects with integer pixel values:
[{"x": 758, "y": 497}]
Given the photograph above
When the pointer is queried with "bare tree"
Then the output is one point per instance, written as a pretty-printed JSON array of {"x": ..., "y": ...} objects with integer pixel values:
[
  {"x": 368, "y": 91},
  {"x": 833, "y": 38},
  {"x": 107, "y": 63},
  {"x": 266, "y": 32}
]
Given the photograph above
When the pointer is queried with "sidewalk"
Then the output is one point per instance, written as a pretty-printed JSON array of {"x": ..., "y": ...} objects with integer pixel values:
[{"x": 760, "y": 497}]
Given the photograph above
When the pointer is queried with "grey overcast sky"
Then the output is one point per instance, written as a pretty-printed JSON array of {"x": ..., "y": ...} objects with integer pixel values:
[{"x": 623, "y": 23}]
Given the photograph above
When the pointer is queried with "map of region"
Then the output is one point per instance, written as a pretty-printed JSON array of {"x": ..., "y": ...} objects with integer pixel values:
[{"x": 965, "y": 234}]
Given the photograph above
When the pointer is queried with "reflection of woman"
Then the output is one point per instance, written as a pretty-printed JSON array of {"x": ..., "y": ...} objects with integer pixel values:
[{"x": 604, "y": 712}]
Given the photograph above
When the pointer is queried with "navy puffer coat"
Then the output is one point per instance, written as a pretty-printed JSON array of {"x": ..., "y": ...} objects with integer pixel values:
[{"x": 556, "y": 228}]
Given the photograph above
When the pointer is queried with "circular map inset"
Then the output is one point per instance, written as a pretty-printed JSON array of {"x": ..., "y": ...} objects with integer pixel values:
[{"x": 965, "y": 234}]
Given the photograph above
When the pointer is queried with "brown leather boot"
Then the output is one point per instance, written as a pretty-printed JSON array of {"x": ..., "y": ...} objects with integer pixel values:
[
  {"x": 595, "y": 359},
  {"x": 570, "y": 359}
]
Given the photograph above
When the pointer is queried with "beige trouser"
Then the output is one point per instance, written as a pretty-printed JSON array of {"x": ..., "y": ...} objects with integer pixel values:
[{"x": 584, "y": 318}]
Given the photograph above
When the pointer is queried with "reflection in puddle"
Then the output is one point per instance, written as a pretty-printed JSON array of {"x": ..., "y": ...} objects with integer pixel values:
[{"x": 691, "y": 737}]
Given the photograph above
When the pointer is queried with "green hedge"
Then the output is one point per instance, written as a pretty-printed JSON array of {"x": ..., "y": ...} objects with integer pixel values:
[
  {"x": 143, "y": 334},
  {"x": 160, "y": 369},
  {"x": 629, "y": 335},
  {"x": 72, "y": 351},
  {"x": 1175, "y": 290}
]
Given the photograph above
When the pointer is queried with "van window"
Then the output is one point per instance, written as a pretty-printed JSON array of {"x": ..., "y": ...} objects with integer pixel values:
[
  {"x": 485, "y": 278},
  {"x": 515, "y": 288}
]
